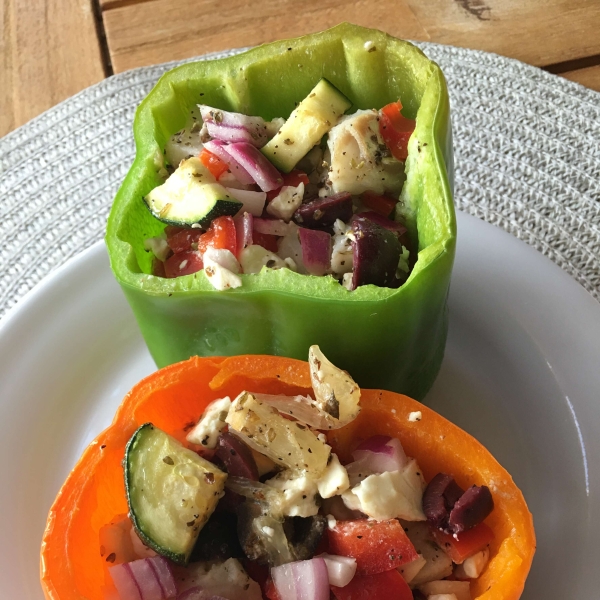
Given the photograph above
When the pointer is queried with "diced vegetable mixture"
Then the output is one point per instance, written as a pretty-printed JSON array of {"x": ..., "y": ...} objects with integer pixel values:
[
  {"x": 257, "y": 505},
  {"x": 317, "y": 194}
]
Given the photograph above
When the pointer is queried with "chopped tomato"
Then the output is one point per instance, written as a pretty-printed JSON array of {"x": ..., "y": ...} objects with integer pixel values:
[
  {"x": 294, "y": 179},
  {"x": 183, "y": 239},
  {"x": 377, "y": 545},
  {"x": 268, "y": 242},
  {"x": 213, "y": 163},
  {"x": 221, "y": 234},
  {"x": 382, "y": 205},
  {"x": 171, "y": 230},
  {"x": 270, "y": 590},
  {"x": 183, "y": 263},
  {"x": 158, "y": 268},
  {"x": 389, "y": 585},
  {"x": 466, "y": 543},
  {"x": 395, "y": 129}
]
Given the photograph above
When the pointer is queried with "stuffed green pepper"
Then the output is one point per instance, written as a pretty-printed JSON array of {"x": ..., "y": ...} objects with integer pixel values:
[{"x": 298, "y": 193}]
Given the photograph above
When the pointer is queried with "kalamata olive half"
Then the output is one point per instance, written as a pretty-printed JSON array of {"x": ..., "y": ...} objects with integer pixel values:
[
  {"x": 236, "y": 457},
  {"x": 218, "y": 539},
  {"x": 322, "y": 213},
  {"x": 439, "y": 498},
  {"x": 471, "y": 509},
  {"x": 304, "y": 534},
  {"x": 376, "y": 253}
]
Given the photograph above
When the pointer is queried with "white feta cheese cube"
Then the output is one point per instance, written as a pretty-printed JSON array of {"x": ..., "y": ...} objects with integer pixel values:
[
  {"x": 284, "y": 205},
  {"x": 334, "y": 480},
  {"x": 473, "y": 566},
  {"x": 299, "y": 494},
  {"x": 212, "y": 422},
  {"x": 390, "y": 495},
  {"x": 221, "y": 278}
]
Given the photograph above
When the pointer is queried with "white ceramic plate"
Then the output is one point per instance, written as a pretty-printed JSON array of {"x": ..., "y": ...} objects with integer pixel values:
[{"x": 521, "y": 373}]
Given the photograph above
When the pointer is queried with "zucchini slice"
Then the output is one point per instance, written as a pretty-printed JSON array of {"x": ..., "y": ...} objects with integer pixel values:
[
  {"x": 308, "y": 123},
  {"x": 191, "y": 195},
  {"x": 171, "y": 492}
]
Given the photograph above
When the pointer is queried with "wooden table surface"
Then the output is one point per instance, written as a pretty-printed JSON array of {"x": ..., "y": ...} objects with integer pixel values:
[{"x": 52, "y": 49}]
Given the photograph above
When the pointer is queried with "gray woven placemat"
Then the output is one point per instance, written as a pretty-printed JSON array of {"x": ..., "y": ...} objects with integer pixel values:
[{"x": 527, "y": 152}]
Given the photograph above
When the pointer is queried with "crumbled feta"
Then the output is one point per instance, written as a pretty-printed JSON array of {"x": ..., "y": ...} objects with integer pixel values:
[
  {"x": 473, "y": 566},
  {"x": 369, "y": 45},
  {"x": 284, "y": 205},
  {"x": 390, "y": 495},
  {"x": 415, "y": 416},
  {"x": 222, "y": 257},
  {"x": 299, "y": 494},
  {"x": 187, "y": 142},
  {"x": 347, "y": 281},
  {"x": 334, "y": 480},
  {"x": 341, "y": 252},
  {"x": 158, "y": 246},
  {"x": 220, "y": 277},
  {"x": 331, "y": 522},
  {"x": 212, "y": 422},
  {"x": 254, "y": 258}
]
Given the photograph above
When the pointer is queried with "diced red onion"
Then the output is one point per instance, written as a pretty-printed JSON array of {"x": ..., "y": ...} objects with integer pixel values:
[
  {"x": 197, "y": 593},
  {"x": 380, "y": 453},
  {"x": 243, "y": 230},
  {"x": 341, "y": 569},
  {"x": 257, "y": 164},
  {"x": 253, "y": 202},
  {"x": 219, "y": 148},
  {"x": 273, "y": 227},
  {"x": 302, "y": 580},
  {"x": 144, "y": 579},
  {"x": 316, "y": 250},
  {"x": 234, "y": 127}
]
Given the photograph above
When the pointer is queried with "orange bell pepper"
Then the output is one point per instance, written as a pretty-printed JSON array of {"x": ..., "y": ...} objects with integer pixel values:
[{"x": 175, "y": 397}]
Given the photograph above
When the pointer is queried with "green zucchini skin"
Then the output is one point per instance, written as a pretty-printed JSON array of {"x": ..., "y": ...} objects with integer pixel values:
[
  {"x": 171, "y": 492},
  {"x": 308, "y": 123},
  {"x": 191, "y": 196}
]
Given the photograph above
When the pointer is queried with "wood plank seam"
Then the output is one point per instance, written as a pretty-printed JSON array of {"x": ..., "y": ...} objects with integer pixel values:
[{"x": 102, "y": 42}]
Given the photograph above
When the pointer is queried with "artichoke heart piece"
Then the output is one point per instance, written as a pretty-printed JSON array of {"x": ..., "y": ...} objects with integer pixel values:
[
  {"x": 288, "y": 443},
  {"x": 335, "y": 391}
]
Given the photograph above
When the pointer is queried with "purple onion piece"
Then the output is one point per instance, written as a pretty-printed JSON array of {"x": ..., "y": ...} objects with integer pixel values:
[
  {"x": 305, "y": 580},
  {"x": 471, "y": 509},
  {"x": 243, "y": 230},
  {"x": 322, "y": 213},
  {"x": 144, "y": 578},
  {"x": 237, "y": 457},
  {"x": 379, "y": 454},
  {"x": 197, "y": 593},
  {"x": 219, "y": 148},
  {"x": 276, "y": 227},
  {"x": 257, "y": 164},
  {"x": 376, "y": 253},
  {"x": 234, "y": 127},
  {"x": 316, "y": 250}
]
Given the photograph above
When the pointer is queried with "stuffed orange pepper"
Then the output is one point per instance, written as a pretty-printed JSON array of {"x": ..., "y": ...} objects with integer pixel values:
[{"x": 256, "y": 477}]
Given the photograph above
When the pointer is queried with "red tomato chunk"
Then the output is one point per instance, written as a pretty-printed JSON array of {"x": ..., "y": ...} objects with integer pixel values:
[
  {"x": 183, "y": 240},
  {"x": 389, "y": 585},
  {"x": 466, "y": 543},
  {"x": 377, "y": 546},
  {"x": 183, "y": 263}
]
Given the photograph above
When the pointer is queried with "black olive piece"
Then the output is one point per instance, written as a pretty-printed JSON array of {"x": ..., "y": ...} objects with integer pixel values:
[
  {"x": 376, "y": 253},
  {"x": 251, "y": 543},
  {"x": 418, "y": 595},
  {"x": 304, "y": 534},
  {"x": 218, "y": 539},
  {"x": 322, "y": 213},
  {"x": 236, "y": 457},
  {"x": 439, "y": 498},
  {"x": 471, "y": 509}
]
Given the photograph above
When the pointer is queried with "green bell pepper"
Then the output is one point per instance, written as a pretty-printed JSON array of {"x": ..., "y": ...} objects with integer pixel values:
[{"x": 387, "y": 338}]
